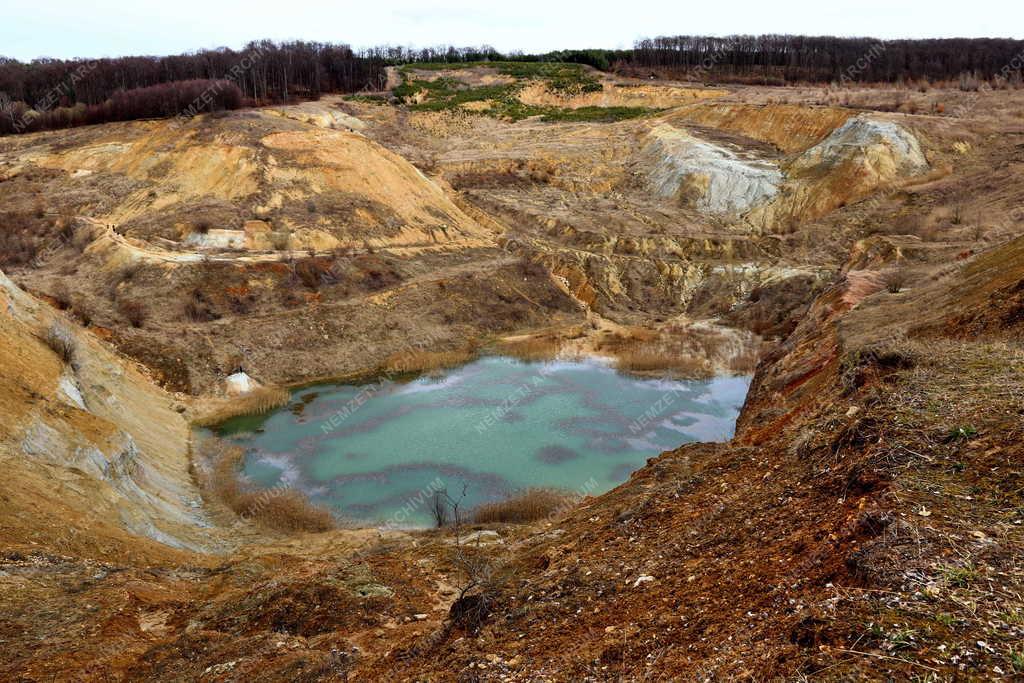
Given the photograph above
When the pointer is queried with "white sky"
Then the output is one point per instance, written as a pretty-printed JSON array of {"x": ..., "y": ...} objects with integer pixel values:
[{"x": 105, "y": 28}]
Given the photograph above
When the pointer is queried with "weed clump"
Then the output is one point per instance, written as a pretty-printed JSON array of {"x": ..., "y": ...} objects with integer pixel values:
[
  {"x": 895, "y": 280},
  {"x": 860, "y": 366},
  {"x": 134, "y": 312},
  {"x": 527, "y": 506},
  {"x": 61, "y": 341}
]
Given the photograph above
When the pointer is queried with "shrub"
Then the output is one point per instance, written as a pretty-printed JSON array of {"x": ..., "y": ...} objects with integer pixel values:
[
  {"x": 524, "y": 507},
  {"x": 83, "y": 311},
  {"x": 310, "y": 273},
  {"x": 60, "y": 296},
  {"x": 198, "y": 308},
  {"x": 895, "y": 280},
  {"x": 61, "y": 341},
  {"x": 134, "y": 312},
  {"x": 20, "y": 238},
  {"x": 125, "y": 274},
  {"x": 440, "y": 509}
]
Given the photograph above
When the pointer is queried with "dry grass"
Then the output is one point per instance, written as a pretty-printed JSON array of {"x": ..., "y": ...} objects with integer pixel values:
[
  {"x": 643, "y": 350},
  {"x": 745, "y": 363},
  {"x": 522, "y": 508},
  {"x": 61, "y": 341},
  {"x": 895, "y": 280},
  {"x": 540, "y": 347},
  {"x": 277, "y": 509},
  {"x": 685, "y": 351},
  {"x": 258, "y": 401},
  {"x": 418, "y": 360},
  {"x": 639, "y": 358},
  {"x": 133, "y": 311}
]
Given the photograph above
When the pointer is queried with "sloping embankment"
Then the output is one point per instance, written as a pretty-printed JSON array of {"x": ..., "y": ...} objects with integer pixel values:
[{"x": 95, "y": 456}]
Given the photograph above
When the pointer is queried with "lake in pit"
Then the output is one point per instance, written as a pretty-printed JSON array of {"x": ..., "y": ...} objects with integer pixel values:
[{"x": 375, "y": 452}]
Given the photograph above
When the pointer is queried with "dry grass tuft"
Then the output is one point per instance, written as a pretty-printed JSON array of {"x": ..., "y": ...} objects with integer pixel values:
[
  {"x": 746, "y": 362},
  {"x": 61, "y": 341},
  {"x": 258, "y": 401},
  {"x": 277, "y": 509},
  {"x": 134, "y": 312},
  {"x": 641, "y": 358},
  {"x": 541, "y": 347},
  {"x": 417, "y": 360},
  {"x": 895, "y": 280},
  {"x": 528, "y": 506}
]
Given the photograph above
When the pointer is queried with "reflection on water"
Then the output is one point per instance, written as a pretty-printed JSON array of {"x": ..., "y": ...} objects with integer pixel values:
[{"x": 495, "y": 425}]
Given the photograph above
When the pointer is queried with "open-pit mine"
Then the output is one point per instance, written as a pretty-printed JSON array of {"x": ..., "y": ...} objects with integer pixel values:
[{"x": 510, "y": 373}]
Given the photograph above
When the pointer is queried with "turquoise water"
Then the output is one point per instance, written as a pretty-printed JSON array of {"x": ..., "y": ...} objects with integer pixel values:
[{"x": 375, "y": 453}]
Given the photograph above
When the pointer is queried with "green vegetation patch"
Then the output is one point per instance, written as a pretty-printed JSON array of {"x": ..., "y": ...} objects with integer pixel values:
[
  {"x": 449, "y": 93},
  {"x": 597, "y": 114}
]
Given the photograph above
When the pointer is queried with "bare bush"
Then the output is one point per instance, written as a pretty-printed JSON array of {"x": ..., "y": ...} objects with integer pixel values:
[
  {"x": 895, "y": 280},
  {"x": 310, "y": 272},
  {"x": 440, "y": 509},
  {"x": 199, "y": 309},
  {"x": 133, "y": 311},
  {"x": 61, "y": 341},
  {"x": 83, "y": 310},
  {"x": 279, "y": 240}
]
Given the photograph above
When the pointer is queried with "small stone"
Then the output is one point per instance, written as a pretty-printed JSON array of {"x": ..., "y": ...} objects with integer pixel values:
[{"x": 420, "y": 617}]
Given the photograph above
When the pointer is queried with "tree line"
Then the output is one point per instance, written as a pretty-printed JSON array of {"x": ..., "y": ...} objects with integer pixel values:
[
  {"x": 780, "y": 59},
  {"x": 178, "y": 98},
  {"x": 263, "y": 70},
  {"x": 50, "y": 93}
]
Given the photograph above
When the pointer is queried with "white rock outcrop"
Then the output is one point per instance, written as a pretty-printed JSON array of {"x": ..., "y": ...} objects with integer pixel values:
[
  {"x": 239, "y": 384},
  {"x": 714, "y": 179},
  {"x": 891, "y": 149}
]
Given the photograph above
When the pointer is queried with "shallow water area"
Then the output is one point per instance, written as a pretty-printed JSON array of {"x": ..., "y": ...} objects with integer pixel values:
[{"x": 375, "y": 452}]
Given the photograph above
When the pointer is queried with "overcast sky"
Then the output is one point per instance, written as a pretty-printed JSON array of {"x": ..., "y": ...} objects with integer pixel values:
[{"x": 103, "y": 28}]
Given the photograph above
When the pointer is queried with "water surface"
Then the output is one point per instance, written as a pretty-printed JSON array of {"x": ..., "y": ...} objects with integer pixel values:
[{"x": 490, "y": 427}]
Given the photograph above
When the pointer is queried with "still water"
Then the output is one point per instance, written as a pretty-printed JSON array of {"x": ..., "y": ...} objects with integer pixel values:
[{"x": 490, "y": 427}]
